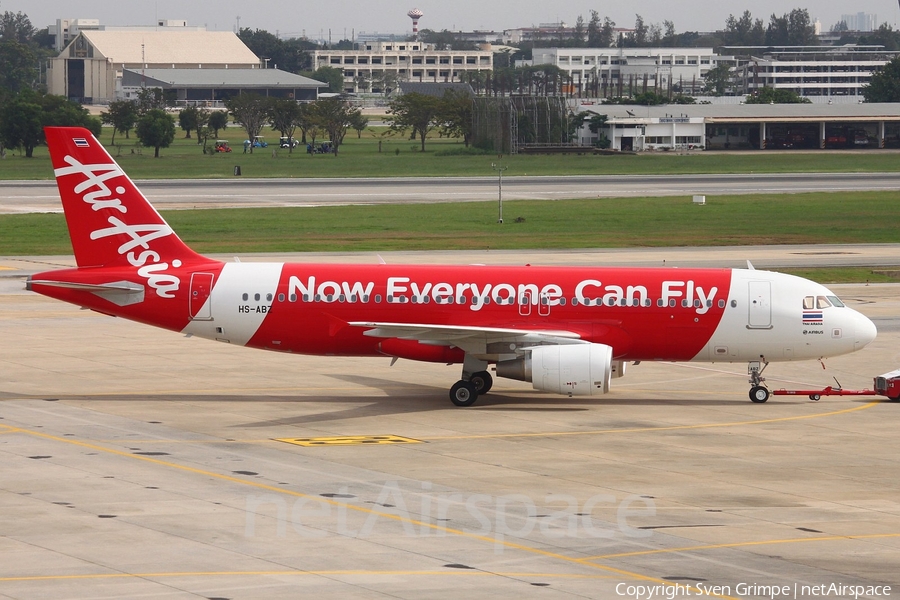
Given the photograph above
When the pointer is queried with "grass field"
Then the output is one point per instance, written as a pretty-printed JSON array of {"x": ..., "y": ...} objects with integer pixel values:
[
  {"x": 401, "y": 157},
  {"x": 862, "y": 217}
]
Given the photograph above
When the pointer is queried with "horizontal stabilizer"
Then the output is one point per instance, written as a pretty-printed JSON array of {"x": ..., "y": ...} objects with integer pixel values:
[{"x": 121, "y": 293}]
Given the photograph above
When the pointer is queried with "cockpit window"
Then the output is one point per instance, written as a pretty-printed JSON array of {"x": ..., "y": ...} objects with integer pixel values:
[{"x": 820, "y": 302}]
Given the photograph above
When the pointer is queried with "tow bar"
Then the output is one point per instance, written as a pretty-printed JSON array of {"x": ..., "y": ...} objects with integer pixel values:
[{"x": 887, "y": 385}]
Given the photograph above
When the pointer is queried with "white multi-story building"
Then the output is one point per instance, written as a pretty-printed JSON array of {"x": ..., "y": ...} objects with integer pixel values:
[
  {"x": 375, "y": 66},
  {"x": 822, "y": 73},
  {"x": 860, "y": 21},
  {"x": 620, "y": 68}
]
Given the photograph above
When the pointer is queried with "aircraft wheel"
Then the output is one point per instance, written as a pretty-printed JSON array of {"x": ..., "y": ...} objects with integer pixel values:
[
  {"x": 759, "y": 394},
  {"x": 483, "y": 382},
  {"x": 463, "y": 393}
]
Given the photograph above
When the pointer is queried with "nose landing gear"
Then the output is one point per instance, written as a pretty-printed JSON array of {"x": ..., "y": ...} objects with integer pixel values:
[{"x": 758, "y": 392}]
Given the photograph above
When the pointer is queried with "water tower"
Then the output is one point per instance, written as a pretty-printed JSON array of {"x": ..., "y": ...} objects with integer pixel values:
[{"x": 415, "y": 14}]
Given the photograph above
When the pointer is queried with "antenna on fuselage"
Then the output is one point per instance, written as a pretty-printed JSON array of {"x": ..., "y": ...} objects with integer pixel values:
[{"x": 750, "y": 265}]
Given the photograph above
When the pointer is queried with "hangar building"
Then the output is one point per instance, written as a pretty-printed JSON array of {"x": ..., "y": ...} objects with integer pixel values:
[
  {"x": 735, "y": 126},
  {"x": 90, "y": 69}
]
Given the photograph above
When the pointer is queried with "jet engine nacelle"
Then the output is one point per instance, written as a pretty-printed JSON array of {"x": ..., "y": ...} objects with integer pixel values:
[{"x": 576, "y": 370}]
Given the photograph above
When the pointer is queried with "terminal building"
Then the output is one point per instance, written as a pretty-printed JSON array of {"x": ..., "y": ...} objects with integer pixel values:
[
  {"x": 745, "y": 126},
  {"x": 613, "y": 69},
  {"x": 378, "y": 67},
  {"x": 820, "y": 73}
]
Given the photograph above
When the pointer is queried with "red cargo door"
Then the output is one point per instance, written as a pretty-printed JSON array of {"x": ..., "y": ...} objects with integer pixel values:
[{"x": 201, "y": 286}]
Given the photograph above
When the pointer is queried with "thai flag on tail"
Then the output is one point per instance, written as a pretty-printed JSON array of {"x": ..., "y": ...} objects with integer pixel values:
[{"x": 81, "y": 142}]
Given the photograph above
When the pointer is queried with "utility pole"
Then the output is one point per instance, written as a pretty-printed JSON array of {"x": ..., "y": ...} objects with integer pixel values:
[{"x": 496, "y": 166}]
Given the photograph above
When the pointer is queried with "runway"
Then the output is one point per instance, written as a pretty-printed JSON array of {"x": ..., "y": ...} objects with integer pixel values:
[
  {"x": 23, "y": 197},
  {"x": 136, "y": 462}
]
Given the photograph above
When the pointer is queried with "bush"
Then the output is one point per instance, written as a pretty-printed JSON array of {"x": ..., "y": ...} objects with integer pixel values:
[{"x": 462, "y": 151}]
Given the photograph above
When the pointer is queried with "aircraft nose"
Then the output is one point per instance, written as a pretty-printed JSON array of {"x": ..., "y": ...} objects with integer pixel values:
[{"x": 865, "y": 331}]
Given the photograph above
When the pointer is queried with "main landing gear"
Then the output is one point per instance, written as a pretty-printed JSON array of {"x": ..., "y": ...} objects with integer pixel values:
[
  {"x": 758, "y": 392},
  {"x": 475, "y": 381}
]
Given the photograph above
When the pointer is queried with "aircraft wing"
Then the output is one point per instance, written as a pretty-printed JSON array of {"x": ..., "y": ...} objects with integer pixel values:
[{"x": 470, "y": 339}]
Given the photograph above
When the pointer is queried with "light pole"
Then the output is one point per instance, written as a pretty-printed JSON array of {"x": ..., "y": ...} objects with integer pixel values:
[{"x": 496, "y": 166}]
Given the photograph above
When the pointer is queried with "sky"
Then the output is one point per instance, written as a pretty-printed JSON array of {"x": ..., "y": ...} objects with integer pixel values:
[{"x": 344, "y": 17}]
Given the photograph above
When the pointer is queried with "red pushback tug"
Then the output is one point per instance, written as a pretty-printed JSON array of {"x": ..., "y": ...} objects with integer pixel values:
[{"x": 885, "y": 385}]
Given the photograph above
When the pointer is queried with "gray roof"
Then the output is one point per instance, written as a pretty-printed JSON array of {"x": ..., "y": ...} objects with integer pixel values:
[
  {"x": 208, "y": 78},
  {"x": 752, "y": 112}
]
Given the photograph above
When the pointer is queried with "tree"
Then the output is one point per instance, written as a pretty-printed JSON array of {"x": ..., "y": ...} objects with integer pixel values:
[
  {"x": 607, "y": 33},
  {"x": 579, "y": 32},
  {"x": 597, "y": 123},
  {"x": 333, "y": 77},
  {"x": 156, "y": 129},
  {"x": 744, "y": 31},
  {"x": 456, "y": 115},
  {"x": 150, "y": 98},
  {"x": 17, "y": 65},
  {"x": 58, "y": 111},
  {"x": 250, "y": 112},
  {"x": 20, "y": 123},
  {"x": 335, "y": 115},
  {"x": 670, "y": 38},
  {"x": 414, "y": 111},
  {"x": 884, "y": 86},
  {"x": 885, "y": 36},
  {"x": 284, "y": 114},
  {"x": 16, "y": 27},
  {"x": 290, "y": 55},
  {"x": 718, "y": 80},
  {"x": 769, "y": 95},
  {"x": 218, "y": 120},
  {"x": 203, "y": 115},
  {"x": 310, "y": 122},
  {"x": 24, "y": 115},
  {"x": 359, "y": 123},
  {"x": 122, "y": 115},
  {"x": 639, "y": 36},
  {"x": 187, "y": 120},
  {"x": 593, "y": 31},
  {"x": 791, "y": 29}
]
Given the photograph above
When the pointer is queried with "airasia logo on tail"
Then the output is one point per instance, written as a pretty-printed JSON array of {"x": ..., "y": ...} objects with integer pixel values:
[{"x": 137, "y": 250}]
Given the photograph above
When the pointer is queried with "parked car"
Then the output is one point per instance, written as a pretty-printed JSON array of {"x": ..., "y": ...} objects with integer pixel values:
[{"x": 860, "y": 138}]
